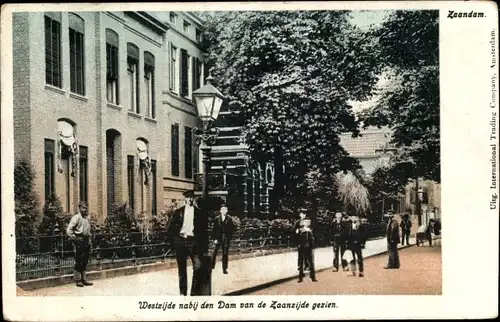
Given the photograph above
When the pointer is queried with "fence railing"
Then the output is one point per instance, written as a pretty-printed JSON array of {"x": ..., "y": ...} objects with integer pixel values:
[{"x": 46, "y": 256}]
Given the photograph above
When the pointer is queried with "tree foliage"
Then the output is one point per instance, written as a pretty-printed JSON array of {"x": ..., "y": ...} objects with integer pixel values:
[
  {"x": 26, "y": 204},
  {"x": 293, "y": 74},
  {"x": 409, "y": 50}
]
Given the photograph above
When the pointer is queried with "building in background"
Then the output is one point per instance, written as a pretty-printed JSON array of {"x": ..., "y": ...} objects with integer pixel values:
[
  {"x": 103, "y": 106},
  {"x": 372, "y": 148}
]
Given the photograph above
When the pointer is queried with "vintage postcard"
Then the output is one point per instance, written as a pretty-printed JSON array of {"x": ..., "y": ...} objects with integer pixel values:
[{"x": 249, "y": 161}]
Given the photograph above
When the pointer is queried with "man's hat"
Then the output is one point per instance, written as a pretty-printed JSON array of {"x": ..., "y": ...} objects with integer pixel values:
[
  {"x": 188, "y": 193},
  {"x": 302, "y": 209},
  {"x": 223, "y": 205}
]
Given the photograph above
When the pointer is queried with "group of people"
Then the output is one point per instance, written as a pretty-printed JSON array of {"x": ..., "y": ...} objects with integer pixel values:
[
  {"x": 347, "y": 233},
  {"x": 191, "y": 238}
]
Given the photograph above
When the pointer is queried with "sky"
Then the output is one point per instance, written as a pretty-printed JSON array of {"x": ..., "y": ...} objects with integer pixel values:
[{"x": 364, "y": 18}]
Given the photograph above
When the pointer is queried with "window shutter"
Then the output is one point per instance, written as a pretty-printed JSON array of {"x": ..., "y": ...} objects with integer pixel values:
[
  {"x": 56, "y": 53},
  {"x": 170, "y": 78},
  {"x": 188, "y": 152},
  {"x": 198, "y": 73},
  {"x": 48, "y": 50},
  {"x": 193, "y": 73},
  {"x": 72, "y": 60},
  {"x": 184, "y": 73},
  {"x": 80, "y": 68},
  {"x": 195, "y": 154},
  {"x": 175, "y": 149}
]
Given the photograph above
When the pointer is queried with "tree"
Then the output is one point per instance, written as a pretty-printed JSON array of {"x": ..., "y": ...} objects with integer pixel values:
[
  {"x": 409, "y": 49},
  {"x": 293, "y": 73},
  {"x": 353, "y": 194}
]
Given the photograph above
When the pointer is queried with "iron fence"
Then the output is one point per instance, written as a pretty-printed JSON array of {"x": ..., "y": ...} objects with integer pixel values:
[{"x": 46, "y": 256}]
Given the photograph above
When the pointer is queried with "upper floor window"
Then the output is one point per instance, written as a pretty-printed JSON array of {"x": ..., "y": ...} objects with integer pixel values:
[
  {"x": 53, "y": 73},
  {"x": 198, "y": 35},
  {"x": 133, "y": 75},
  {"x": 184, "y": 75},
  {"x": 76, "y": 54},
  {"x": 173, "y": 70},
  {"x": 173, "y": 18},
  {"x": 186, "y": 26},
  {"x": 149, "y": 79},
  {"x": 112, "y": 71},
  {"x": 196, "y": 70}
]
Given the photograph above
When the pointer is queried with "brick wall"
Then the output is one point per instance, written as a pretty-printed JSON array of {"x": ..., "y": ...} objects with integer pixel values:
[{"x": 21, "y": 86}]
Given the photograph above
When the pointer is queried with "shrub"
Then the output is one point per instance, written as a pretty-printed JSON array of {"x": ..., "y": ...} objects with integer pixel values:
[
  {"x": 26, "y": 209},
  {"x": 54, "y": 220}
]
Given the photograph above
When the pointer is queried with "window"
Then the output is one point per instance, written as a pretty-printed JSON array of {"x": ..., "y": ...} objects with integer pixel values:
[
  {"x": 84, "y": 179},
  {"x": 198, "y": 35},
  {"x": 184, "y": 73},
  {"x": 186, "y": 27},
  {"x": 173, "y": 18},
  {"x": 188, "y": 152},
  {"x": 153, "y": 187},
  {"x": 173, "y": 69},
  {"x": 175, "y": 149},
  {"x": 53, "y": 74},
  {"x": 49, "y": 147},
  {"x": 76, "y": 54},
  {"x": 196, "y": 73},
  {"x": 149, "y": 79},
  {"x": 133, "y": 76},
  {"x": 195, "y": 156},
  {"x": 130, "y": 180},
  {"x": 112, "y": 66}
]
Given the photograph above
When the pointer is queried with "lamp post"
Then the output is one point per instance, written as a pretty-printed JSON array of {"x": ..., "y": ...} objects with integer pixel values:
[{"x": 208, "y": 103}]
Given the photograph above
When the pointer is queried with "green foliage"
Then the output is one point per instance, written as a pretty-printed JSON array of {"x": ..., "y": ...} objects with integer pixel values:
[
  {"x": 120, "y": 220},
  {"x": 409, "y": 49},
  {"x": 26, "y": 206},
  {"x": 293, "y": 74},
  {"x": 353, "y": 194},
  {"x": 55, "y": 220}
]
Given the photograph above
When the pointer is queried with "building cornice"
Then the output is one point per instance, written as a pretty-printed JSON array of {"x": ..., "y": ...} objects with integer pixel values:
[{"x": 149, "y": 21}]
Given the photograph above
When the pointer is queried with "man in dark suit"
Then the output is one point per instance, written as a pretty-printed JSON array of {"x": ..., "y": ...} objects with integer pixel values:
[
  {"x": 222, "y": 233},
  {"x": 188, "y": 232},
  {"x": 405, "y": 229},
  {"x": 355, "y": 243},
  {"x": 304, "y": 232},
  {"x": 337, "y": 235},
  {"x": 392, "y": 234},
  {"x": 346, "y": 225}
]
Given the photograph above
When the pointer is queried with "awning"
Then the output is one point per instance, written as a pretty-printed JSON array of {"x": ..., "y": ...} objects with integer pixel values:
[{"x": 66, "y": 133}]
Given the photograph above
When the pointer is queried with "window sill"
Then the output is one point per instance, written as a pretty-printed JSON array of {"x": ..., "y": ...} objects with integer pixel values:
[
  {"x": 55, "y": 89},
  {"x": 150, "y": 119},
  {"x": 116, "y": 107},
  {"x": 180, "y": 98},
  {"x": 134, "y": 114},
  {"x": 78, "y": 97}
]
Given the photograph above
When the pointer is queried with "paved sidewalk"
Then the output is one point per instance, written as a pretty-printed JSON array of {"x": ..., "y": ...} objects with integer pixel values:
[{"x": 243, "y": 274}]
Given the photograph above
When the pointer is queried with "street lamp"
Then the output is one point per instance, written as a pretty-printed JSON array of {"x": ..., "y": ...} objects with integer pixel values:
[{"x": 208, "y": 103}]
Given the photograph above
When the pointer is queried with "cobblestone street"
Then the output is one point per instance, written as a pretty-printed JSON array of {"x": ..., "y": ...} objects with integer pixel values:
[{"x": 420, "y": 274}]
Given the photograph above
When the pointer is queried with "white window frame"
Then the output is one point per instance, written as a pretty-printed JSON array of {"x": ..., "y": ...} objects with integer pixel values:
[
  {"x": 132, "y": 75},
  {"x": 174, "y": 68}
]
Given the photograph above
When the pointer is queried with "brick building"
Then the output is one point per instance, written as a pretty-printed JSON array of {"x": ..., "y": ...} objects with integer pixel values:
[{"x": 103, "y": 108}]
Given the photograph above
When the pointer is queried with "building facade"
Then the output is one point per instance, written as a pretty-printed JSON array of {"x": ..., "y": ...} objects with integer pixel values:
[
  {"x": 103, "y": 109},
  {"x": 373, "y": 149}
]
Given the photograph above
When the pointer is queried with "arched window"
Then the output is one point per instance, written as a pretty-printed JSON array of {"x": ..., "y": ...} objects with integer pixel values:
[
  {"x": 149, "y": 79},
  {"x": 112, "y": 71},
  {"x": 67, "y": 157},
  {"x": 77, "y": 54},
  {"x": 144, "y": 169},
  {"x": 133, "y": 76}
]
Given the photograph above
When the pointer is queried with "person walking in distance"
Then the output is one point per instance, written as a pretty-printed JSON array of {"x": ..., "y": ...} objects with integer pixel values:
[
  {"x": 187, "y": 229},
  {"x": 306, "y": 246},
  {"x": 337, "y": 235},
  {"x": 405, "y": 229},
  {"x": 392, "y": 234},
  {"x": 355, "y": 243},
  {"x": 79, "y": 232},
  {"x": 222, "y": 234}
]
